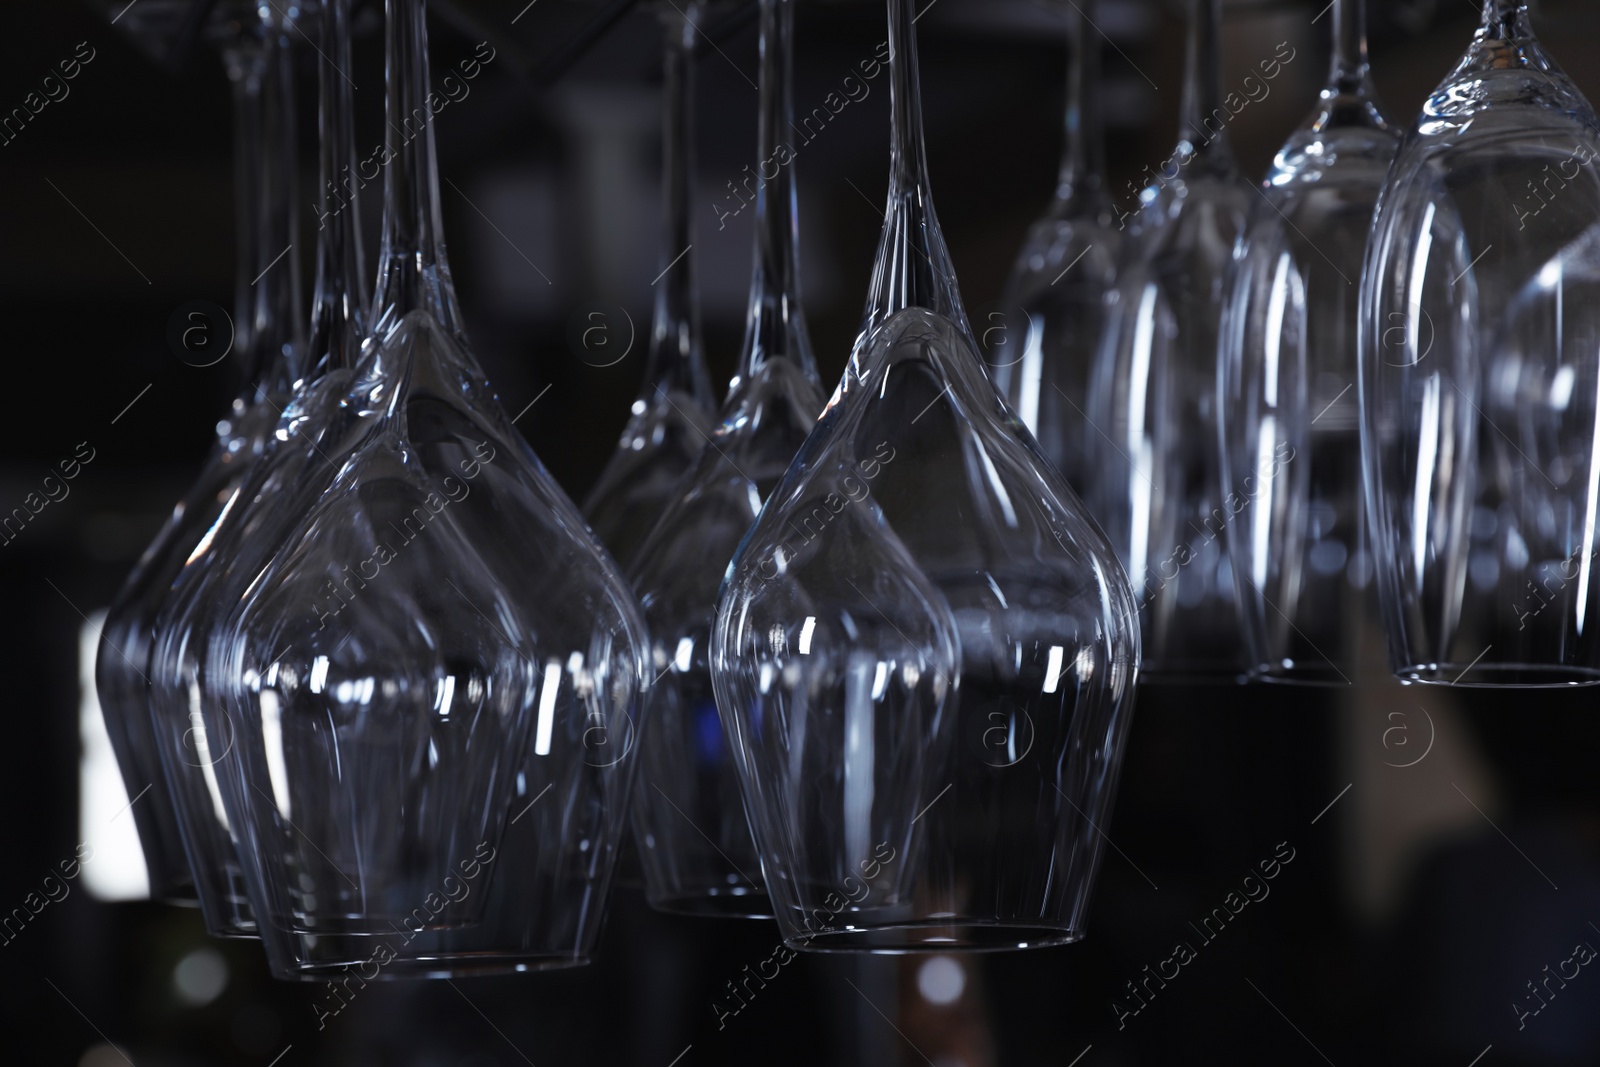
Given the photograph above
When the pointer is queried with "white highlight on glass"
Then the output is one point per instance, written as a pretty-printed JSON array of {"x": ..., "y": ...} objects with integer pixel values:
[
  {"x": 319, "y": 673},
  {"x": 547, "y": 708},
  {"x": 1052, "y": 670},
  {"x": 806, "y": 631},
  {"x": 272, "y": 741},
  {"x": 859, "y": 757},
  {"x": 202, "y": 752}
]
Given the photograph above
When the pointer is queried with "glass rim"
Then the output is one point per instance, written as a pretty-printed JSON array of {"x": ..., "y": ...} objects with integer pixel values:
[{"x": 859, "y": 939}]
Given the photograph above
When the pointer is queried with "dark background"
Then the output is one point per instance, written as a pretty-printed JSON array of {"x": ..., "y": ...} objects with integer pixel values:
[{"x": 1463, "y": 857}]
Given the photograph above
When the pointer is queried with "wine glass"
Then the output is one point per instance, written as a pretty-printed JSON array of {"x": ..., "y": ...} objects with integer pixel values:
[
  {"x": 1287, "y": 369},
  {"x": 697, "y": 852},
  {"x": 1052, "y": 314},
  {"x": 924, "y": 635},
  {"x": 671, "y": 417},
  {"x": 1158, "y": 485},
  {"x": 1473, "y": 507},
  {"x": 1543, "y": 383},
  {"x": 268, "y": 327},
  {"x": 220, "y": 567},
  {"x": 415, "y": 682}
]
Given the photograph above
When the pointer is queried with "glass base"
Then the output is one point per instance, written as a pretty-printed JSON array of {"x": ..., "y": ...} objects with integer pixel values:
[
  {"x": 465, "y": 965},
  {"x": 235, "y": 933},
  {"x": 239, "y": 924},
  {"x": 369, "y": 925},
  {"x": 751, "y": 904},
  {"x": 1307, "y": 673},
  {"x": 1498, "y": 675},
  {"x": 937, "y": 935}
]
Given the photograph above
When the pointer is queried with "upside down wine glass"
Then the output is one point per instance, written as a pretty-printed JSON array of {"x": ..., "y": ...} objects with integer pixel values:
[
  {"x": 276, "y": 489},
  {"x": 671, "y": 416},
  {"x": 1286, "y": 408},
  {"x": 1544, "y": 388},
  {"x": 695, "y": 844},
  {"x": 1053, "y": 310},
  {"x": 1478, "y": 428},
  {"x": 670, "y": 419},
  {"x": 414, "y": 682},
  {"x": 1158, "y": 484},
  {"x": 267, "y": 333},
  {"x": 924, "y": 635}
]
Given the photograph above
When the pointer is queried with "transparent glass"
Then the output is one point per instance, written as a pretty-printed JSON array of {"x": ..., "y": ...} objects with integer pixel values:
[
  {"x": 695, "y": 844},
  {"x": 924, "y": 635},
  {"x": 1053, "y": 312},
  {"x": 417, "y": 685},
  {"x": 1154, "y": 393},
  {"x": 1543, "y": 383},
  {"x": 1473, "y": 505},
  {"x": 671, "y": 418},
  {"x": 267, "y": 333},
  {"x": 220, "y": 567},
  {"x": 1287, "y": 408}
]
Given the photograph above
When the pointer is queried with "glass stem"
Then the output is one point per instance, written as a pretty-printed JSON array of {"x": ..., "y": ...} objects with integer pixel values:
[
  {"x": 338, "y": 312},
  {"x": 1203, "y": 128},
  {"x": 1506, "y": 20},
  {"x": 913, "y": 267},
  {"x": 1350, "y": 68},
  {"x": 1083, "y": 161},
  {"x": 677, "y": 361},
  {"x": 413, "y": 271},
  {"x": 278, "y": 320},
  {"x": 245, "y": 63},
  {"x": 776, "y": 327}
]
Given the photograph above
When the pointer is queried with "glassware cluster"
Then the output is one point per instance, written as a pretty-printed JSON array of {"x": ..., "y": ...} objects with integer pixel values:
[
  {"x": 697, "y": 852},
  {"x": 1153, "y": 393},
  {"x": 923, "y": 634},
  {"x": 1053, "y": 312},
  {"x": 383, "y": 693},
  {"x": 1286, "y": 369},
  {"x": 1478, "y": 374}
]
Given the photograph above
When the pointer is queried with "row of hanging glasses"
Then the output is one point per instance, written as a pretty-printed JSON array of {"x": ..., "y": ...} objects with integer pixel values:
[
  {"x": 393, "y": 693},
  {"x": 378, "y": 630},
  {"x": 864, "y": 664},
  {"x": 1367, "y": 386}
]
